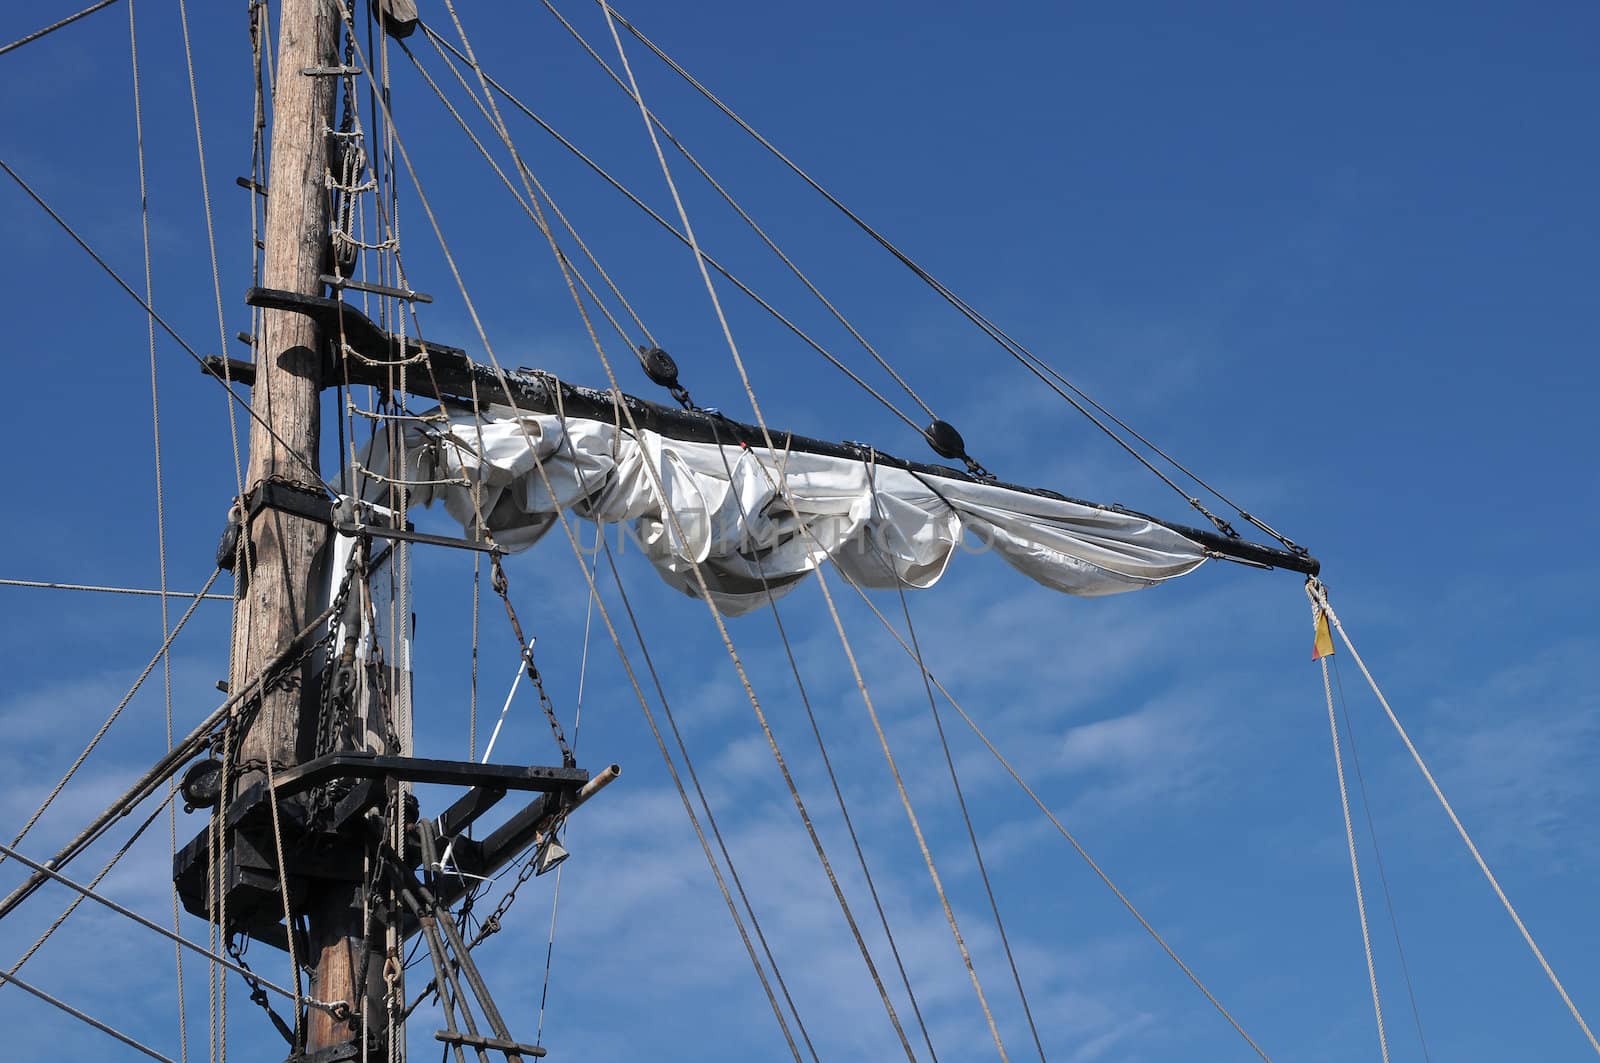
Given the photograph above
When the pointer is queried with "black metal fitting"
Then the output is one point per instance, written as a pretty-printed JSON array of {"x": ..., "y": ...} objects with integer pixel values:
[
  {"x": 945, "y": 440},
  {"x": 228, "y": 547},
  {"x": 202, "y": 784},
  {"x": 659, "y": 366}
]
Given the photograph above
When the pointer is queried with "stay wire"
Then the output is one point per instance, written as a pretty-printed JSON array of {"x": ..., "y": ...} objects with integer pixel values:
[
  {"x": 485, "y": 106},
  {"x": 1319, "y": 597},
  {"x": 743, "y": 214},
  {"x": 794, "y": 792},
  {"x": 66, "y": 777},
  {"x": 705, "y": 804},
  {"x": 1025, "y": 357},
  {"x": 84, "y": 1017},
  {"x": 523, "y": 203},
  {"x": 148, "y": 309},
  {"x": 500, "y": 372},
  {"x": 136, "y": 591},
  {"x": 1054, "y": 820},
  {"x": 955, "y": 779},
  {"x": 738, "y": 361},
  {"x": 161, "y": 505},
  {"x": 211, "y": 240},
  {"x": 750, "y": 292},
  {"x": 504, "y": 382},
  {"x": 577, "y": 723},
  {"x": 47, "y": 30},
  {"x": 150, "y": 924},
  {"x": 1350, "y": 839},
  {"x": 748, "y": 907},
  {"x": 1372, "y": 832},
  {"x": 502, "y": 379},
  {"x": 100, "y": 875}
]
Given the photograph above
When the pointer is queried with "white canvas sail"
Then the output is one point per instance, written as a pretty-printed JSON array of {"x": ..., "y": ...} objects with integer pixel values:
[{"x": 748, "y": 516}]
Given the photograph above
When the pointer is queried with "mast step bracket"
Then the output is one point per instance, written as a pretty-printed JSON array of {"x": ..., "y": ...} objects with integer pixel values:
[{"x": 491, "y": 1044}]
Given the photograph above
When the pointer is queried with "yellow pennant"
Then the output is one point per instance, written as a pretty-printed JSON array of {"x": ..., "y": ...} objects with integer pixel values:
[{"x": 1323, "y": 647}]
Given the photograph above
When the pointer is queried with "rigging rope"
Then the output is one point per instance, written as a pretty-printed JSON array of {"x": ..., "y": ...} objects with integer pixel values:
[
  {"x": 1032, "y": 362},
  {"x": 776, "y": 314},
  {"x": 577, "y": 723},
  {"x": 61, "y": 784},
  {"x": 612, "y": 631},
  {"x": 955, "y": 780},
  {"x": 794, "y": 793},
  {"x": 211, "y": 241},
  {"x": 289, "y": 933},
  {"x": 793, "y": 268},
  {"x": 577, "y": 548},
  {"x": 1319, "y": 597},
  {"x": 529, "y": 178},
  {"x": 84, "y": 1017},
  {"x": 1350, "y": 840},
  {"x": 161, "y": 504},
  {"x": 47, "y": 30},
  {"x": 148, "y": 924},
  {"x": 148, "y": 309},
  {"x": 755, "y": 406},
  {"x": 100, "y": 875},
  {"x": 1054, "y": 820},
  {"x": 48, "y": 586},
  {"x": 1383, "y": 877}
]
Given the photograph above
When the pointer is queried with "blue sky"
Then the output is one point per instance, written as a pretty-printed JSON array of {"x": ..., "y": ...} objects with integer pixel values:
[{"x": 1337, "y": 258}]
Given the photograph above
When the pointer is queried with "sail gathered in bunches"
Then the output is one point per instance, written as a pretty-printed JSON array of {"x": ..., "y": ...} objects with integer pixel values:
[{"x": 749, "y": 517}]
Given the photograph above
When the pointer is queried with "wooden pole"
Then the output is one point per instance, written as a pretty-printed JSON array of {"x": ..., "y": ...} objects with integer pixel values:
[{"x": 284, "y": 578}]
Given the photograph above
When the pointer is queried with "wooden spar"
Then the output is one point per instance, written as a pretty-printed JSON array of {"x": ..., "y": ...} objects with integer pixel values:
[
  {"x": 454, "y": 377},
  {"x": 283, "y": 570}
]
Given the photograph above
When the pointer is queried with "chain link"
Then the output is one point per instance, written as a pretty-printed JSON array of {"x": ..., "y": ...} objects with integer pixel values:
[
  {"x": 258, "y": 995},
  {"x": 501, "y": 587},
  {"x": 338, "y": 676},
  {"x": 493, "y": 922}
]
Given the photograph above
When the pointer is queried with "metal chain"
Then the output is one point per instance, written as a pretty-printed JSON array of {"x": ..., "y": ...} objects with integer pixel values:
[
  {"x": 338, "y": 678},
  {"x": 498, "y": 582},
  {"x": 233, "y": 736},
  {"x": 258, "y": 995},
  {"x": 493, "y": 923}
]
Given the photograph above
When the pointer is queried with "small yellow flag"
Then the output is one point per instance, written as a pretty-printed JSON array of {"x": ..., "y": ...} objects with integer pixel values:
[{"x": 1323, "y": 647}]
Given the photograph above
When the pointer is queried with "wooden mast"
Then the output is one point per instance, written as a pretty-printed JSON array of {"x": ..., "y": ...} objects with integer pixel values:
[{"x": 283, "y": 591}]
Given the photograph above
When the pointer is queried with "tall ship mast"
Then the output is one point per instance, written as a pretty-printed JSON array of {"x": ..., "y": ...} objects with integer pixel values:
[{"x": 351, "y": 838}]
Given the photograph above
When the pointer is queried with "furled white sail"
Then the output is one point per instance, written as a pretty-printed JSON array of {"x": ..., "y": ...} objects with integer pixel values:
[{"x": 747, "y": 515}]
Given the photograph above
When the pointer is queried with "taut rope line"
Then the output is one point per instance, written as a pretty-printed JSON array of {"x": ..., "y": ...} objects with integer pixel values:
[{"x": 1319, "y": 595}]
